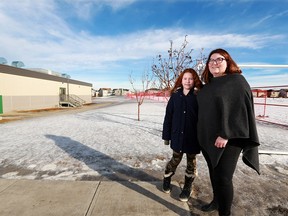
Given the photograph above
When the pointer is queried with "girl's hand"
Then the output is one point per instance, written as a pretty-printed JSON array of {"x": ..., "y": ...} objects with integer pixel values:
[
  {"x": 166, "y": 142},
  {"x": 220, "y": 142}
]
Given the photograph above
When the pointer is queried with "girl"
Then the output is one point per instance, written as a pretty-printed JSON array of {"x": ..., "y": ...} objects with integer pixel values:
[{"x": 180, "y": 129}]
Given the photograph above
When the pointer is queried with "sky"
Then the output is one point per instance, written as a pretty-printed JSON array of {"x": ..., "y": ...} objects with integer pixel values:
[{"x": 103, "y": 42}]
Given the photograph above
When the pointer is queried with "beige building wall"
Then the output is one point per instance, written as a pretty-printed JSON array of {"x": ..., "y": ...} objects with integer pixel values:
[
  {"x": 12, "y": 85},
  {"x": 26, "y": 93}
]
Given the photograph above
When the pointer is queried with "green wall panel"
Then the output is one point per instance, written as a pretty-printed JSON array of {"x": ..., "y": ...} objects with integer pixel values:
[{"x": 1, "y": 105}]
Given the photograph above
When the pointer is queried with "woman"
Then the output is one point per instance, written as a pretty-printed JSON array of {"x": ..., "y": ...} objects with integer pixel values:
[
  {"x": 180, "y": 127},
  {"x": 226, "y": 126}
]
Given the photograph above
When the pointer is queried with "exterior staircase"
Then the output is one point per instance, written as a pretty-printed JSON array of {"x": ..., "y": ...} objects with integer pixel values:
[{"x": 71, "y": 101}]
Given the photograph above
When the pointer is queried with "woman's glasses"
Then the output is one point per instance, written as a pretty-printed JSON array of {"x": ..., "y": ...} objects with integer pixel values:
[{"x": 217, "y": 60}]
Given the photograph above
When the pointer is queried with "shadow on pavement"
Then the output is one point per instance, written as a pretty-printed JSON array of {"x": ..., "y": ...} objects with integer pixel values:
[{"x": 111, "y": 169}]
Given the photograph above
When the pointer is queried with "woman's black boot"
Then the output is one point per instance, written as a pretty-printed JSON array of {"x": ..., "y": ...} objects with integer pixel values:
[{"x": 210, "y": 207}]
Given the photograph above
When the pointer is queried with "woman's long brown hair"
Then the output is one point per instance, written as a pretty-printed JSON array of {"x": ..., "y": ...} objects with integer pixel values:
[{"x": 232, "y": 67}]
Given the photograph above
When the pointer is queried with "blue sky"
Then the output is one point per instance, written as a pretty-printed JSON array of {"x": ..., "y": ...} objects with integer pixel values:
[{"x": 103, "y": 41}]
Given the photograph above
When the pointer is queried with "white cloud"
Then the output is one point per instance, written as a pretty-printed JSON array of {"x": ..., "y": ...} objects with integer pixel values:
[
  {"x": 262, "y": 79},
  {"x": 62, "y": 43},
  {"x": 85, "y": 9},
  {"x": 248, "y": 41},
  {"x": 262, "y": 20},
  {"x": 37, "y": 33},
  {"x": 283, "y": 13}
]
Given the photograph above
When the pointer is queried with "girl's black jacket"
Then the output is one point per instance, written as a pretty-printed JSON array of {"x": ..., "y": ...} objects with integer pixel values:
[{"x": 180, "y": 122}]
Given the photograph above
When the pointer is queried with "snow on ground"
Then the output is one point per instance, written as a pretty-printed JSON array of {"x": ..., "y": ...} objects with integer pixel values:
[
  {"x": 86, "y": 142},
  {"x": 97, "y": 141},
  {"x": 109, "y": 143},
  {"x": 272, "y": 110}
]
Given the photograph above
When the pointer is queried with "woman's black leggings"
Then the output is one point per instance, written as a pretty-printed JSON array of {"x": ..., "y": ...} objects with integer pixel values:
[{"x": 221, "y": 177}]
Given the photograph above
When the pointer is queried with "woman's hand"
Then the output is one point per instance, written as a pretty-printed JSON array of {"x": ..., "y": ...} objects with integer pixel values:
[{"x": 220, "y": 142}]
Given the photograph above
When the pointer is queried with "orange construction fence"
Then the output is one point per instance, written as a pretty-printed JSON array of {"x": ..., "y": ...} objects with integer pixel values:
[{"x": 270, "y": 102}]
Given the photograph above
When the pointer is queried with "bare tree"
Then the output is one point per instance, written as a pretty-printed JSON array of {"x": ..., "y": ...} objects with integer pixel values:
[
  {"x": 146, "y": 83},
  {"x": 166, "y": 70}
]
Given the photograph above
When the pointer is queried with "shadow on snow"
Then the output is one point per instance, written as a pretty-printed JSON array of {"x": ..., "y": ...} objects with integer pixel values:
[{"x": 111, "y": 169}]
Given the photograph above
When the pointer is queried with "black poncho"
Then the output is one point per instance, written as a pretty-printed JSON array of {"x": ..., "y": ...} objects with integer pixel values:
[{"x": 226, "y": 109}]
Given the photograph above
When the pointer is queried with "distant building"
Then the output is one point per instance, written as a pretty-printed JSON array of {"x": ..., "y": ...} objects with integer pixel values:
[
  {"x": 259, "y": 93},
  {"x": 273, "y": 93},
  {"x": 283, "y": 93},
  {"x": 120, "y": 92},
  {"x": 22, "y": 89},
  {"x": 95, "y": 93},
  {"x": 104, "y": 92},
  {"x": 153, "y": 91}
]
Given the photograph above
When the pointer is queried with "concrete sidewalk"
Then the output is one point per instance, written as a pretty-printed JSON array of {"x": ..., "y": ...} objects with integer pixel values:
[{"x": 91, "y": 198}]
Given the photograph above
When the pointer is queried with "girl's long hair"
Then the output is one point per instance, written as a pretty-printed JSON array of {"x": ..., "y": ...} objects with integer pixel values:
[
  {"x": 232, "y": 67},
  {"x": 197, "y": 82}
]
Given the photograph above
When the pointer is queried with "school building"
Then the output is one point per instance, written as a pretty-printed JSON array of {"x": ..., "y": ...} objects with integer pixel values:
[{"x": 24, "y": 89}]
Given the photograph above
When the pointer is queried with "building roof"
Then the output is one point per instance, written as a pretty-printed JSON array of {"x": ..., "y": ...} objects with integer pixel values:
[{"x": 38, "y": 75}]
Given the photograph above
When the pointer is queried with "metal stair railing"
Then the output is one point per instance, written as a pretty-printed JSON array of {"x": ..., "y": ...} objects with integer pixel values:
[
  {"x": 77, "y": 99},
  {"x": 71, "y": 100}
]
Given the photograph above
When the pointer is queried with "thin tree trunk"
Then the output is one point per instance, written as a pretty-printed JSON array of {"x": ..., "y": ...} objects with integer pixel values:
[{"x": 138, "y": 111}]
